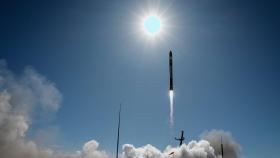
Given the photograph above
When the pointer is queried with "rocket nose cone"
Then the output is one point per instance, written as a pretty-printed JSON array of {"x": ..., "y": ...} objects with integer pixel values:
[{"x": 170, "y": 53}]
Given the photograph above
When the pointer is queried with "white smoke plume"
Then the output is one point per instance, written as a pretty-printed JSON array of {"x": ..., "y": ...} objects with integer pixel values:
[
  {"x": 194, "y": 149},
  {"x": 20, "y": 95},
  {"x": 208, "y": 147},
  {"x": 231, "y": 148}
]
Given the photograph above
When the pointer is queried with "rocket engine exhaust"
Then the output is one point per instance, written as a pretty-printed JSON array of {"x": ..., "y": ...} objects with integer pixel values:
[{"x": 171, "y": 97}]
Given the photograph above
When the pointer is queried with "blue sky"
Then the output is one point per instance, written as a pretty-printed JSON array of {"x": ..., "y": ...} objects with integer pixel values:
[{"x": 226, "y": 69}]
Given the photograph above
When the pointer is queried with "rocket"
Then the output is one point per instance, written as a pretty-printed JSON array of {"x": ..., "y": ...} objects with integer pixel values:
[{"x": 170, "y": 72}]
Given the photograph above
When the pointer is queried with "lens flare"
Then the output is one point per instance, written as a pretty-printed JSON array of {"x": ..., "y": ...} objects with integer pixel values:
[{"x": 171, "y": 97}]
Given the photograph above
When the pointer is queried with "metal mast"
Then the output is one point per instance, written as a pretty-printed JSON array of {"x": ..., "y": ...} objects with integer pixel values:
[
  {"x": 119, "y": 124},
  {"x": 222, "y": 147}
]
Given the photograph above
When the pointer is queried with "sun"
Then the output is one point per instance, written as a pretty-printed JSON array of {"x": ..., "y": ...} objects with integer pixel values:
[{"x": 152, "y": 25}]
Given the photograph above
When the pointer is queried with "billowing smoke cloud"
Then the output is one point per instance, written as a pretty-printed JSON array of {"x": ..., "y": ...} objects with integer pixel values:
[
  {"x": 208, "y": 147},
  {"x": 194, "y": 149},
  {"x": 20, "y": 95},
  {"x": 231, "y": 148},
  {"x": 90, "y": 150}
]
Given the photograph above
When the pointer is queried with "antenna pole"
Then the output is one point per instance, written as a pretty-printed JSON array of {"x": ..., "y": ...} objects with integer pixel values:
[
  {"x": 119, "y": 124},
  {"x": 222, "y": 147}
]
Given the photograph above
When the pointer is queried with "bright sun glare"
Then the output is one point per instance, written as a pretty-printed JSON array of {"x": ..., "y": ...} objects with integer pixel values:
[{"x": 152, "y": 25}]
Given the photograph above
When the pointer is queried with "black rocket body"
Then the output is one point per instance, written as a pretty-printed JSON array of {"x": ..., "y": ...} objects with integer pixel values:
[{"x": 170, "y": 72}]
